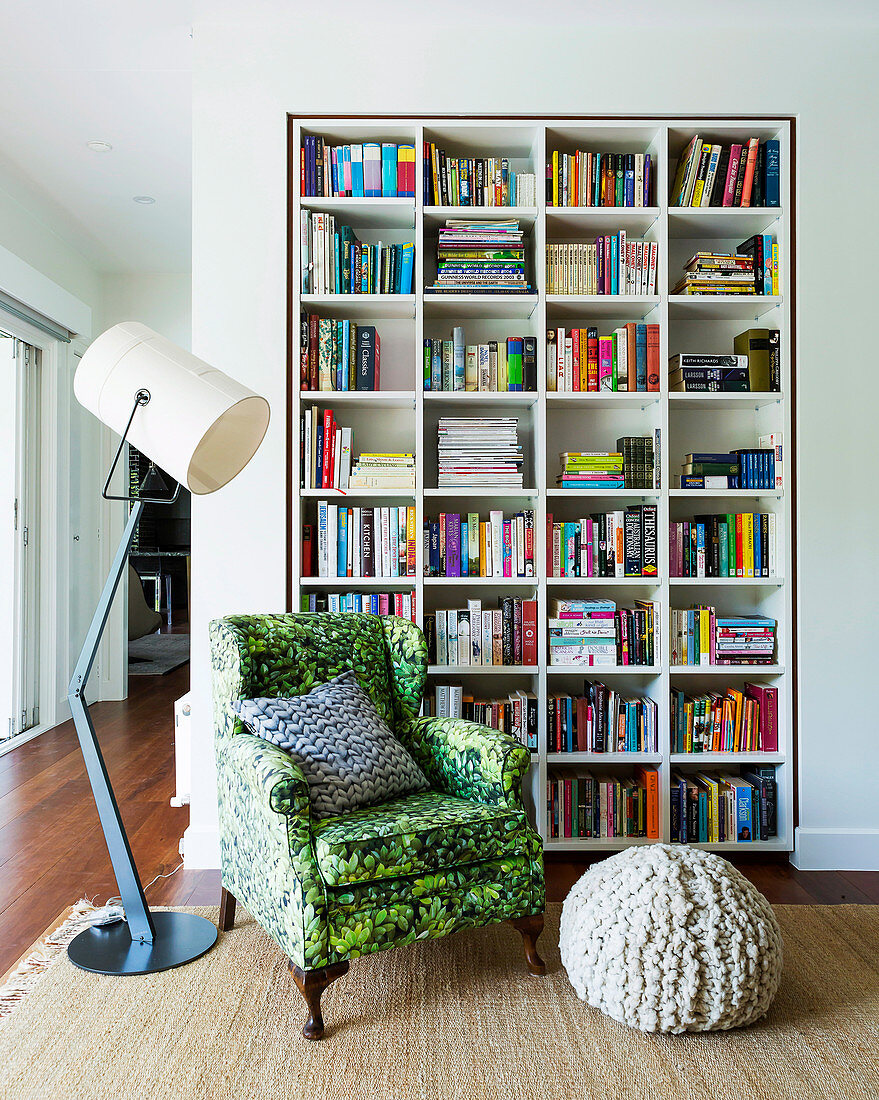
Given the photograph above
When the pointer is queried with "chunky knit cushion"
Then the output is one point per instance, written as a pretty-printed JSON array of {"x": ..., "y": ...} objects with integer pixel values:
[
  {"x": 669, "y": 938},
  {"x": 347, "y": 752}
]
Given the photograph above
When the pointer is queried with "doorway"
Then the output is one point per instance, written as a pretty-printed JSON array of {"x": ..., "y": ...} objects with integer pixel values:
[{"x": 20, "y": 537}]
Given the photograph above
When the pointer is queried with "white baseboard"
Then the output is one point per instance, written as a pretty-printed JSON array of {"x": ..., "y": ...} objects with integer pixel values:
[
  {"x": 836, "y": 850},
  {"x": 201, "y": 850}
]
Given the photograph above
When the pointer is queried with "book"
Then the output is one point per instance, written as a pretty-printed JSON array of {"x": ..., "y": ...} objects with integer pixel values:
[
  {"x": 601, "y": 720},
  {"x": 699, "y": 636},
  {"x": 459, "y": 545},
  {"x": 581, "y": 363},
  {"x": 717, "y": 174},
  {"x": 511, "y": 628},
  {"x": 478, "y": 452},
  {"x": 338, "y": 262},
  {"x": 762, "y": 350},
  {"x": 401, "y": 603},
  {"x": 616, "y": 264},
  {"x": 582, "y": 804},
  {"x": 470, "y": 365},
  {"x": 475, "y": 181},
  {"x": 479, "y": 257},
  {"x": 514, "y": 714},
  {"x": 363, "y": 170},
  {"x": 604, "y": 544},
  {"x": 582, "y": 178}
]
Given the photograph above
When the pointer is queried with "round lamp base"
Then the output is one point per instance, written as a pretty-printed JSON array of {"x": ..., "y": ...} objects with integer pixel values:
[{"x": 180, "y": 938}]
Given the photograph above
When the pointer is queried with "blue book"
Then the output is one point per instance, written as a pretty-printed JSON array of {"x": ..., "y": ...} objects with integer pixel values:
[
  {"x": 342, "y": 544},
  {"x": 337, "y": 263},
  {"x": 772, "y": 188},
  {"x": 641, "y": 358},
  {"x": 406, "y": 268},
  {"x": 389, "y": 170},
  {"x": 596, "y": 186},
  {"x": 357, "y": 171},
  {"x": 434, "y": 549},
  {"x": 465, "y": 547},
  {"x": 458, "y": 353},
  {"x": 614, "y": 264},
  {"x": 569, "y": 724},
  {"x": 436, "y": 365},
  {"x": 345, "y": 169},
  {"x": 629, "y": 187},
  {"x": 700, "y": 545}
]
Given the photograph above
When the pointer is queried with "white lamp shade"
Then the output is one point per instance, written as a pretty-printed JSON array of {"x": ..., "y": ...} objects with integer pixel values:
[{"x": 199, "y": 425}]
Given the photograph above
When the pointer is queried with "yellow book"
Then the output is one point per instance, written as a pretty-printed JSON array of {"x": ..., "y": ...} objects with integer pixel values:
[
  {"x": 410, "y": 540},
  {"x": 748, "y": 544},
  {"x": 704, "y": 636},
  {"x": 775, "y": 267},
  {"x": 555, "y": 179},
  {"x": 482, "y": 557}
]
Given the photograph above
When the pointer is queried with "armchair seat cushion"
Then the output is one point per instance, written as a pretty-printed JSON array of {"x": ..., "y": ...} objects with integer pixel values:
[{"x": 418, "y": 834}]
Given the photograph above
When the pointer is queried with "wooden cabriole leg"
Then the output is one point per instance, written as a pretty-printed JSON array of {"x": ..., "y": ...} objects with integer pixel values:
[
  {"x": 311, "y": 984},
  {"x": 227, "y": 910},
  {"x": 531, "y": 927}
]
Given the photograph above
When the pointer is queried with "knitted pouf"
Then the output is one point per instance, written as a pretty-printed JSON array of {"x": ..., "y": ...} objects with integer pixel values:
[{"x": 670, "y": 938}]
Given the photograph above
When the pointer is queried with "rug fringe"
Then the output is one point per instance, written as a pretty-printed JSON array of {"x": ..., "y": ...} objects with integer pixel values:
[{"x": 24, "y": 978}]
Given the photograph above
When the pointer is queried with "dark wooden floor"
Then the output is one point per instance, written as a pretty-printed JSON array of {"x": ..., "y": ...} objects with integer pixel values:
[{"x": 52, "y": 851}]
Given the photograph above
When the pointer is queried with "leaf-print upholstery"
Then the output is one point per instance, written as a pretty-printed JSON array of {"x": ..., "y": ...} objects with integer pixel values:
[{"x": 458, "y": 856}]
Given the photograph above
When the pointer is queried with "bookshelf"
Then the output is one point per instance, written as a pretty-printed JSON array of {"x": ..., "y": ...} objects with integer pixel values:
[{"x": 550, "y": 422}]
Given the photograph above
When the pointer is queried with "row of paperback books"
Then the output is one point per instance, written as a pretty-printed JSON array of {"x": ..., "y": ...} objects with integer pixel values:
[
  {"x": 474, "y": 181},
  {"x": 359, "y": 542},
  {"x": 338, "y": 355},
  {"x": 599, "y": 179},
  {"x": 614, "y": 264},
  {"x": 480, "y": 258},
  {"x": 474, "y": 636},
  {"x": 479, "y": 452},
  {"x": 603, "y": 544},
  {"x": 632, "y": 466},
  {"x": 744, "y": 468},
  {"x": 364, "y": 603},
  {"x": 740, "y": 544},
  {"x": 601, "y": 720},
  {"x": 597, "y": 632},
  {"x": 515, "y": 714},
  {"x": 734, "y": 721},
  {"x": 585, "y": 805},
  {"x": 699, "y": 636},
  {"x": 335, "y": 261},
  {"x": 370, "y": 169},
  {"x": 578, "y": 360},
  {"x": 751, "y": 269},
  {"x": 717, "y": 807},
  {"x": 498, "y": 366},
  {"x": 746, "y": 174},
  {"x": 458, "y": 545}
]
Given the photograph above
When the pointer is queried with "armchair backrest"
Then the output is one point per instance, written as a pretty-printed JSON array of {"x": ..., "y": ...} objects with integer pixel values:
[{"x": 283, "y": 655}]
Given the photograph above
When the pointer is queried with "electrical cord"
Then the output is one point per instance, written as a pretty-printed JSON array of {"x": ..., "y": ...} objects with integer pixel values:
[{"x": 107, "y": 913}]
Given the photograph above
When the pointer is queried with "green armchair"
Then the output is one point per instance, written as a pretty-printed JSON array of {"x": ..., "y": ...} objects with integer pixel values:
[{"x": 460, "y": 855}]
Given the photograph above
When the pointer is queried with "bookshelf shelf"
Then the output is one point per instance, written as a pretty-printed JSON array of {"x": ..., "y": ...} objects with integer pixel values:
[
  {"x": 360, "y": 307},
  {"x": 721, "y": 222},
  {"x": 403, "y": 418},
  {"x": 723, "y": 307}
]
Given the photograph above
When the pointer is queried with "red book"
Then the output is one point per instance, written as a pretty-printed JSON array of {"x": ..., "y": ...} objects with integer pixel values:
[
  {"x": 750, "y": 165},
  {"x": 580, "y": 744},
  {"x": 653, "y": 358},
  {"x": 398, "y": 603},
  {"x": 529, "y": 632},
  {"x": 732, "y": 172},
  {"x": 329, "y": 441},
  {"x": 767, "y": 699},
  {"x": 307, "y": 549}
]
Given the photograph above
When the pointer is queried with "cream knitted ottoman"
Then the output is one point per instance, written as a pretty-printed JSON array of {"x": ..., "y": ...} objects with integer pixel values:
[{"x": 669, "y": 938}]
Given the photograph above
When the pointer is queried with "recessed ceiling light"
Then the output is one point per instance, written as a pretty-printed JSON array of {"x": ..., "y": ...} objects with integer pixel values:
[
  {"x": 144, "y": 200},
  {"x": 99, "y": 146}
]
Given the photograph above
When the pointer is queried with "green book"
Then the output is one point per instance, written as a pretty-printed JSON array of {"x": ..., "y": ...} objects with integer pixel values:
[{"x": 723, "y": 539}]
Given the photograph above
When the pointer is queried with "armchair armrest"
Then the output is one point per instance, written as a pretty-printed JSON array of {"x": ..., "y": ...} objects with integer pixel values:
[{"x": 469, "y": 760}]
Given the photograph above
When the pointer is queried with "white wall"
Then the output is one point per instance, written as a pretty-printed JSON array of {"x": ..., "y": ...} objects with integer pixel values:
[
  {"x": 164, "y": 302},
  {"x": 249, "y": 73}
]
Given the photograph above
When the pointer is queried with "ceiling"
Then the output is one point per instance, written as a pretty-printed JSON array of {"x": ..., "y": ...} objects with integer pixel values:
[{"x": 120, "y": 71}]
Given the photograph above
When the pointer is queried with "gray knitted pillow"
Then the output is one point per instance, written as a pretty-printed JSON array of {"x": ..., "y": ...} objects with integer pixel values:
[{"x": 346, "y": 750}]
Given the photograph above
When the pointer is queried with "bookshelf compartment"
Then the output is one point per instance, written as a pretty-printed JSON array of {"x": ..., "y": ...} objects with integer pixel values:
[{"x": 552, "y": 422}]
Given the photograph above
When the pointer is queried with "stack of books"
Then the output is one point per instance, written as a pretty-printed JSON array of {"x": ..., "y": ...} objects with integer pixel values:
[
  {"x": 335, "y": 261},
  {"x": 338, "y": 355},
  {"x": 601, "y": 720},
  {"x": 699, "y": 636},
  {"x": 596, "y": 632},
  {"x": 704, "y": 372},
  {"x": 599, "y": 179},
  {"x": 515, "y": 715},
  {"x": 603, "y": 544},
  {"x": 745, "y": 468},
  {"x": 462, "y": 546},
  {"x": 717, "y": 807},
  {"x": 732, "y": 721},
  {"x": 367, "y": 170},
  {"x": 580, "y": 361},
  {"x": 717, "y": 273},
  {"x": 497, "y": 366},
  {"x": 359, "y": 542},
  {"x": 587, "y": 805},
  {"x": 480, "y": 258},
  {"x": 474, "y": 181},
  {"x": 591, "y": 470},
  {"x": 614, "y": 264},
  {"x": 745, "y": 174},
  {"x": 505, "y": 635},
  {"x": 383, "y": 470},
  {"x": 479, "y": 452},
  {"x": 742, "y": 544},
  {"x": 367, "y": 603}
]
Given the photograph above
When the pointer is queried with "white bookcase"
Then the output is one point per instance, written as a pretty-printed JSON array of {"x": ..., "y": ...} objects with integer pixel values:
[{"x": 403, "y": 417}]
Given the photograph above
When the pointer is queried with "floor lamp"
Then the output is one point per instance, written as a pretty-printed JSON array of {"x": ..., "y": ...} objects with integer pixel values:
[{"x": 202, "y": 427}]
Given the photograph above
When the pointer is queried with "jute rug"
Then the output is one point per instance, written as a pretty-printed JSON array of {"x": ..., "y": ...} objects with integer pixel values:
[{"x": 458, "y": 1018}]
